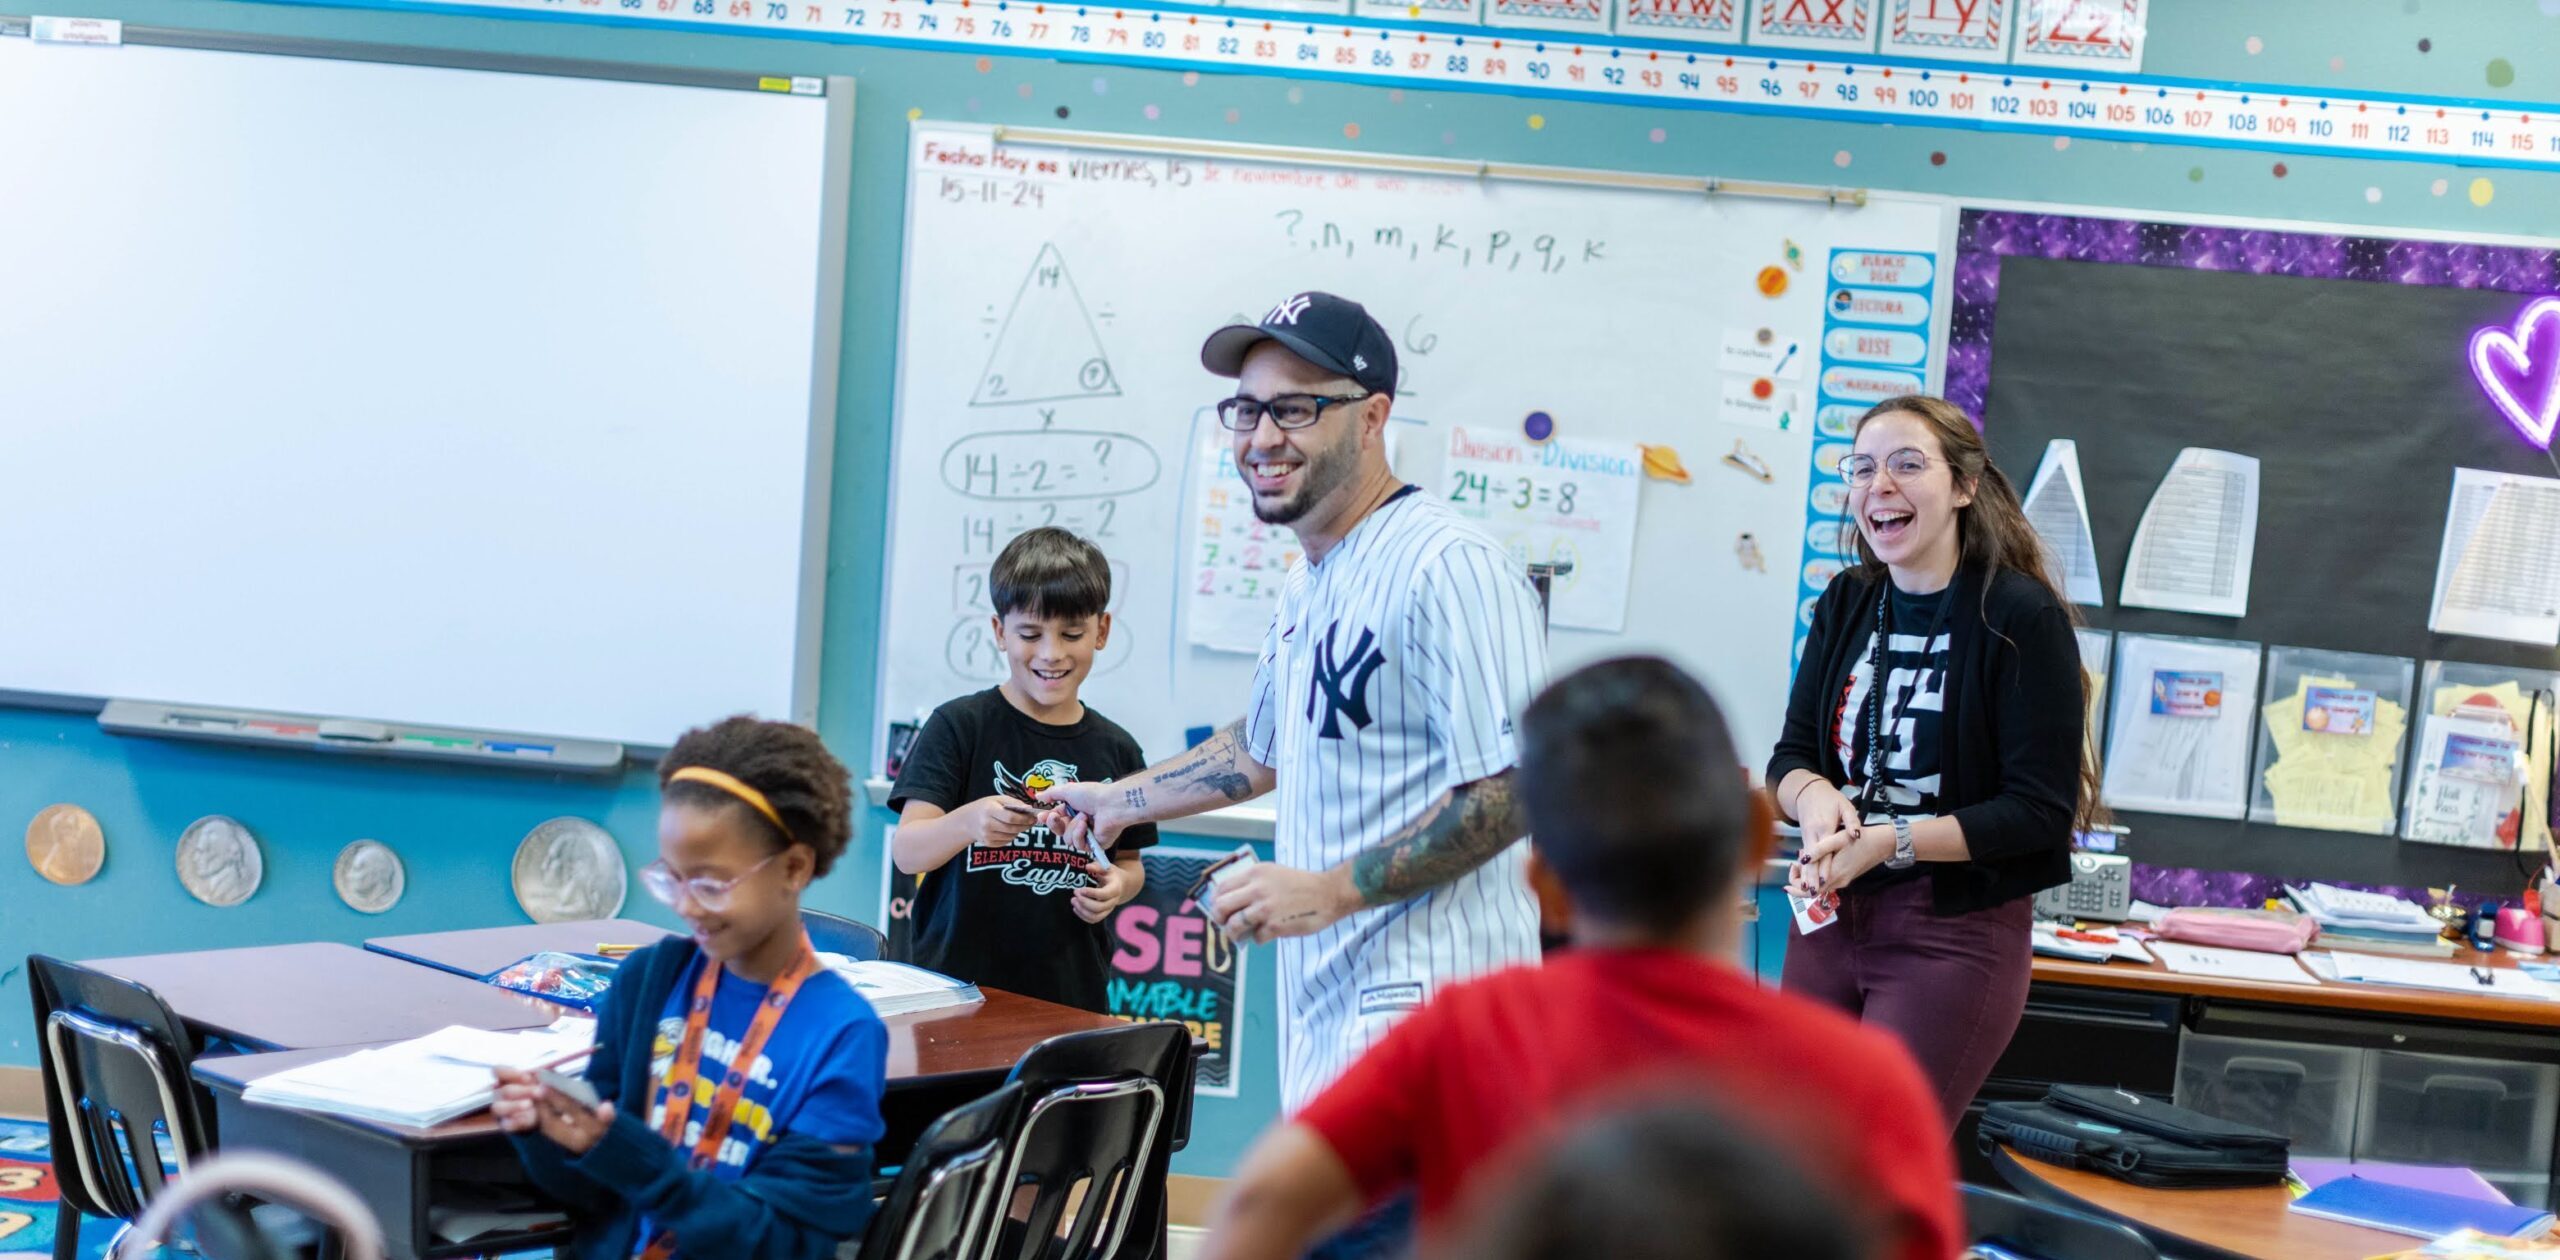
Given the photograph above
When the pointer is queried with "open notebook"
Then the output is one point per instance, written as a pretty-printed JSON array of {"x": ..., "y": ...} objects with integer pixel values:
[{"x": 424, "y": 1081}]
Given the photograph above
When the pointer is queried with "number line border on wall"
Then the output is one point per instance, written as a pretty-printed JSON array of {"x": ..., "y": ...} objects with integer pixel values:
[{"x": 1616, "y": 69}]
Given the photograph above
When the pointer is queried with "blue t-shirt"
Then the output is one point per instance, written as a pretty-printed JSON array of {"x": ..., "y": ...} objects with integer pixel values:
[{"x": 820, "y": 1075}]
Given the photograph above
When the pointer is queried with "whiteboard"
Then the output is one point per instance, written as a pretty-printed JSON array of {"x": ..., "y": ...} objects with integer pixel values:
[
  {"x": 417, "y": 393},
  {"x": 1055, "y": 297}
]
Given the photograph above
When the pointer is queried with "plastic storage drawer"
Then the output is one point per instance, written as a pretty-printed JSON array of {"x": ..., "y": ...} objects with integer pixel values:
[
  {"x": 2306, "y": 1092},
  {"x": 2488, "y": 1114}
]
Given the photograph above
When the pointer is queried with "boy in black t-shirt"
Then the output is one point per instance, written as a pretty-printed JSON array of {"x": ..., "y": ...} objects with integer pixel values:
[{"x": 1021, "y": 909}]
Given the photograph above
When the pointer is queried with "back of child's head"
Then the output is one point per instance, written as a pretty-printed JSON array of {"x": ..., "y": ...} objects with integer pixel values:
[
  {"x": 1662, "y": 1178},
  {"x": 1634, "y": 793},
  {"x": 1050, "y": 572},
  {"x": 787, "y": 764}
]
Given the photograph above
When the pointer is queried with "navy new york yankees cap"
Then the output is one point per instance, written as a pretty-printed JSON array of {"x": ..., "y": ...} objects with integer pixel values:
[{"x": 1334, "y": 333}]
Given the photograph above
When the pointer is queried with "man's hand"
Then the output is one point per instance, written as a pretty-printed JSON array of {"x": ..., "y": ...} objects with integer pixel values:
[
  {"x": 1100, "y": 810},
  {"x": 1113, "y": 887},
  {"x": 1268, "y": 901}
]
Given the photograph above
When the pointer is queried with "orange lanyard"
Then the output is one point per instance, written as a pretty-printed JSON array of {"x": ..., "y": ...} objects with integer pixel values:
[{"x": 675, "y": 1094}]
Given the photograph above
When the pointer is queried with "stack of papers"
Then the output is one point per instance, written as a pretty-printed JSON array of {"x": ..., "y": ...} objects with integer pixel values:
[
  {"x": 2447, "y": 977},
  {"x": 895, "y": 988},
  {"x": 2370, "y": 922},
  {"x": 422, "y": 1082}
]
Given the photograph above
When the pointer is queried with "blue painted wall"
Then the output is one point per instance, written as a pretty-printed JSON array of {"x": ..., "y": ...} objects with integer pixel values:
[{"x": 457, "y": 828}]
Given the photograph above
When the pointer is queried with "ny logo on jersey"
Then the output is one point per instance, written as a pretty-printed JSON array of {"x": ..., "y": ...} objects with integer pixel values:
[{"x": 1343, "y": 685}]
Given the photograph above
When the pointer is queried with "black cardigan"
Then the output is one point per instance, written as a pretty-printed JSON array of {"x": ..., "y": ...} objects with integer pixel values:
[{"x": 2013, "y": 726}]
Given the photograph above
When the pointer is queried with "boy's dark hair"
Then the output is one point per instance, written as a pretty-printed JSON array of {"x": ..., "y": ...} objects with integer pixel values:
[
  {"x": 1634, "y": 793},
  {"x": 789, "y": 764},
  {"x": 1050, "y": 572},
  {"x": 1666, "y": 1178}
]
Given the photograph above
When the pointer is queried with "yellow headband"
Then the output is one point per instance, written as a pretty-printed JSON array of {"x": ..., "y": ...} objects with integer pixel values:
[{"x": 730, "y": 784}]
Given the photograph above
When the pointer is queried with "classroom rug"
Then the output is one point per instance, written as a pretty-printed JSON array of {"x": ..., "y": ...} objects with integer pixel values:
[{"x": 27, "y": 1198}]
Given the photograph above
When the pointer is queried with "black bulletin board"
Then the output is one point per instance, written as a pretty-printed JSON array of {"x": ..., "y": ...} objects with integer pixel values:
[{"x": 2358, "y": 402}]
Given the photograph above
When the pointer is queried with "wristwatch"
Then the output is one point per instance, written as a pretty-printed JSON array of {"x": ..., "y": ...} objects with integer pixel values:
[{"x": 1903, "y": 854}]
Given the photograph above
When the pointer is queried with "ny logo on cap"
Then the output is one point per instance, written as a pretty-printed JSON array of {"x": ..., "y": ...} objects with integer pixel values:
[{"x": 1289, "y": 311}]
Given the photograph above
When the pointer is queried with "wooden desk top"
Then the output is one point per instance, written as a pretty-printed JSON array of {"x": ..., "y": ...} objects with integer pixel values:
[
  {"x": 2370, "y": 998},
  {"x": 295, "y": 997},
  {"x": 478, "y": 951},
  {"x": 936, "y": 1047},
  {"x": 2252, "y": 1223}
]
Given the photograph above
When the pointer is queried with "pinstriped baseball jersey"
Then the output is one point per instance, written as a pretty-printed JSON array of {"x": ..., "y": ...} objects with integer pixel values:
[{"x": 1391, "y": 674}]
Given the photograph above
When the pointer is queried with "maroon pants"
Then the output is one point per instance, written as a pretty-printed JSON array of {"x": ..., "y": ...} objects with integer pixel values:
[{"x": 1950, "y": 986}]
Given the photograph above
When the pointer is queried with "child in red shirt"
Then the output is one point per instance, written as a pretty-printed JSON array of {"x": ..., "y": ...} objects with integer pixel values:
[{"x": 1644, "y": 833}]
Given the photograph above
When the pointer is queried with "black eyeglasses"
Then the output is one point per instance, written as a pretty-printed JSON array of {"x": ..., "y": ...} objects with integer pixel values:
[
  {"x": 1860, "y": 470},
  {"x": 1289, "y": 411}
]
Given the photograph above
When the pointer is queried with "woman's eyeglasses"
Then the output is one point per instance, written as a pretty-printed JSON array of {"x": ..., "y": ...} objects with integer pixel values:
[
  {"x": 1289, "y": 411},
  {"x": 711, "y": 894},
  {"x": 1860, "y": 470}
]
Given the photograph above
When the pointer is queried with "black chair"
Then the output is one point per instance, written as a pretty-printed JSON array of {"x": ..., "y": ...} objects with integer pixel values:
[
  {"x": 836, "y": 934},
  {"x": 114, "y": 1061},
  {"x": 2042, "y": 1231},
  {"x": 943, "y": 1205},
  {"x": 1085, "y": 1180}
]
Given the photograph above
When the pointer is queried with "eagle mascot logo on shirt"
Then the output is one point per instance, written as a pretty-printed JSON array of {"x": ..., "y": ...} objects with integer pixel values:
[{"x": 1033, "y": 859}]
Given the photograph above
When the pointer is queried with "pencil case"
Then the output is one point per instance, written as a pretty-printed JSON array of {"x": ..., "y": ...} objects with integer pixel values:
[
  {"x": 2268, "y": 931},
  {"x": 577, "y": 981}
]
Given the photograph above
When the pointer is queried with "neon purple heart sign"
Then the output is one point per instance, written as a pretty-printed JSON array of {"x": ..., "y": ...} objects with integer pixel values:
[{"x": 2519, "y": 367}]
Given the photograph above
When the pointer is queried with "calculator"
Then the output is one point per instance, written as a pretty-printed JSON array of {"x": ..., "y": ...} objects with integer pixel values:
[{"x": 2101, "y": 887}]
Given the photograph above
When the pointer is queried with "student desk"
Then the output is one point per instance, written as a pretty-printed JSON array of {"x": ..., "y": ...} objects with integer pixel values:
[
  {"x": 2360, "y": 1053},
  {"x": 476, "y": 952},
  {"x": 296, "y": 997},
  {"x": 935, "y": 1059},
  {"x": 2250, "y": 1224}
]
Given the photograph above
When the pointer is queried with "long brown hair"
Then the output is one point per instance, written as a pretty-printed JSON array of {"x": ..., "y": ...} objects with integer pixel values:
[{"x": 1992, "y": 534}]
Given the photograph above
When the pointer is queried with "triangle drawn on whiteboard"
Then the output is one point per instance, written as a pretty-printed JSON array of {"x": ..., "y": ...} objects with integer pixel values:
[{"x": 1048, "y": 350}]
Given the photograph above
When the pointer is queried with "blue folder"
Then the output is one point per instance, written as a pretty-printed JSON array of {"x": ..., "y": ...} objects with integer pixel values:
[{"x": 2420, "y": 1213}]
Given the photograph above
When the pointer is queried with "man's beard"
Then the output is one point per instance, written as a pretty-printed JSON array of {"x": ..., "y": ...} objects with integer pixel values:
[{"x": 1325, "y": 471}]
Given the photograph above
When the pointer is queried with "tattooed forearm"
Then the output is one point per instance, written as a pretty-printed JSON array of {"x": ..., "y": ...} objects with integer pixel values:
[
  {"x": 1136, "y": 798},
  {"x": 1460, "y": 833},
  {"x": 1215, "y": 765}
]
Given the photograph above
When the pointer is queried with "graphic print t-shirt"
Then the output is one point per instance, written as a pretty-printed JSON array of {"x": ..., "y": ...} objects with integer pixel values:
[
  {"x": 1915, "y": 663},
  {"x": 1004, "y": 915},
  {"x": 819, "y": 1075}
]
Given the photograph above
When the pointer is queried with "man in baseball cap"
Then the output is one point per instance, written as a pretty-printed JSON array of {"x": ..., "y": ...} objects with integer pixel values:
[
  {"x": 1381, "y": 717},
  {"x": 1333, "y": 333}
]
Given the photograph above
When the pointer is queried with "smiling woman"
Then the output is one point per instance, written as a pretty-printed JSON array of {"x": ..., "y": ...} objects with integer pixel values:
[{"x": 1932, "y": 749}]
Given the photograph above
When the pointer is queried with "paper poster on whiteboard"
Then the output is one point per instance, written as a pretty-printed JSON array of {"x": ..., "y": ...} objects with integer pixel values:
[
  {"x": 1560, "y": 501},
  {"x": 1237, "y": 565}
]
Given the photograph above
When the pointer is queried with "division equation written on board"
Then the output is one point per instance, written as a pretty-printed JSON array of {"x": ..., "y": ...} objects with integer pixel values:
[{"x": 1561, "y": 501}]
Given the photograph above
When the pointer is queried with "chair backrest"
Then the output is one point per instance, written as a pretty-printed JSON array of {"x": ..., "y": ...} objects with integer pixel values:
[
  {"x": 114, "y": 1060},
  {"x": 943, "y": 1206},
  {"x": 1089, "y": 1158},
  {"x": 214, "y": 1197},
  {"x": 2042, "y": 1231},
  {"x": 836, "y": 934}
]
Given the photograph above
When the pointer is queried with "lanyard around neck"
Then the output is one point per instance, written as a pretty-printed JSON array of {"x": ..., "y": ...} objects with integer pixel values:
[{"x": 675, "y": 1094}]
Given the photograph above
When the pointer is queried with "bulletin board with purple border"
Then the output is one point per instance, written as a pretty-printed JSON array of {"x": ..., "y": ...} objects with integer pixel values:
[{"x": 2344, "y": 364}]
